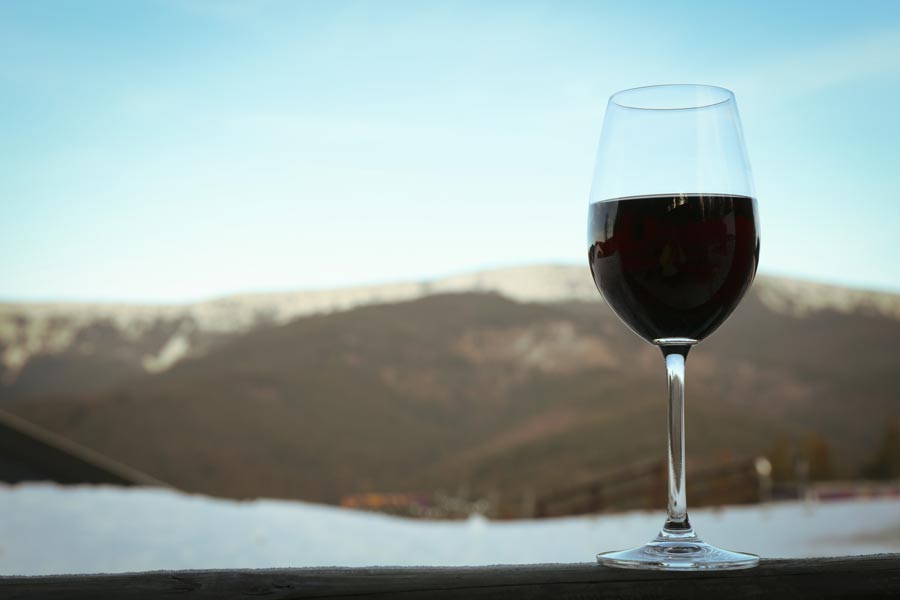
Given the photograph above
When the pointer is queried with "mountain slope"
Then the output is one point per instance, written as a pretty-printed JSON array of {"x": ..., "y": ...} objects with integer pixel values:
[
  {"x": 475, "y": 389},
  {"x": 50, "y": 348}
]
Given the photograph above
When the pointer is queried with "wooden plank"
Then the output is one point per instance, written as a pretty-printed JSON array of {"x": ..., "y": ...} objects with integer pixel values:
[{"x": 875, "y": 576}]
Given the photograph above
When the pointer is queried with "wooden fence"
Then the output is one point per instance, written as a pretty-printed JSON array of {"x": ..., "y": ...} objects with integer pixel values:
[{"x": 643, "y": 486}]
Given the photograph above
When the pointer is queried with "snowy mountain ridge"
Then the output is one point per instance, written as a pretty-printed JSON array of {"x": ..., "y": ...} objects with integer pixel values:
[{"x": 28, "y": 330}]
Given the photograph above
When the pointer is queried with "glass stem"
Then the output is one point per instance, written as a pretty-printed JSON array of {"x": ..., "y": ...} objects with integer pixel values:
[{"x": 677, "y": 523}]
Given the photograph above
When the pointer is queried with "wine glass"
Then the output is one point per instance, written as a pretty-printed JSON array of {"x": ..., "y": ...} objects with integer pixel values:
[{"x": 673, "y": 246}]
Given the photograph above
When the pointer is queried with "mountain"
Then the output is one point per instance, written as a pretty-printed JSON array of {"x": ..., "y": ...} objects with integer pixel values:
[
  {"x": 437, "y": 386},
  {"x": 79, "y": 347}
]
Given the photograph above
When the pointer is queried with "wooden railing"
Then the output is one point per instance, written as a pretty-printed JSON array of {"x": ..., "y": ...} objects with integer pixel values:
[{"x": 820, "y": 579}]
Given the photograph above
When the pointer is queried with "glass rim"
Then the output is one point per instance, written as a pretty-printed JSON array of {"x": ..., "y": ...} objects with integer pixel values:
[{"x": 718, "y": 96}]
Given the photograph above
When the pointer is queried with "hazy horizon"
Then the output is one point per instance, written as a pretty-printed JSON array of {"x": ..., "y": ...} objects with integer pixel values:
[{"x": 366, "y": 284}]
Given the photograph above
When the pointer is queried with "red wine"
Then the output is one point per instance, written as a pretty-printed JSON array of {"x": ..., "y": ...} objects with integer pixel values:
[{"x": 673, "y": 266}]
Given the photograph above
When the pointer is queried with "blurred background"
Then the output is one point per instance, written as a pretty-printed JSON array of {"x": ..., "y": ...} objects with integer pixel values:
[{"x": 334, "y": 252}]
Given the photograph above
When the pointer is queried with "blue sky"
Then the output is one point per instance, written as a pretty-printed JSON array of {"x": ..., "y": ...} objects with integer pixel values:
[{"x": 170, "y": 151}]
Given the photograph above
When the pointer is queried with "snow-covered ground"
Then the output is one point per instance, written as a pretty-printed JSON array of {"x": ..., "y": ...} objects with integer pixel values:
[{"x": 54, "y": 529}]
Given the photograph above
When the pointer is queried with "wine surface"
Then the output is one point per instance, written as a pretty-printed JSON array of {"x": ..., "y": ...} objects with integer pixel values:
[{"x": 673, "y": 265}]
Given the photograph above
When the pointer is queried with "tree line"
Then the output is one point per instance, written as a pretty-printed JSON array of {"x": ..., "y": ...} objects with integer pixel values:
[{"x": 811, "y": 458}]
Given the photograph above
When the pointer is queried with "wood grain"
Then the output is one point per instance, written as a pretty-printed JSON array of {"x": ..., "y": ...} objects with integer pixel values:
[{"x": 822, "y": 578}]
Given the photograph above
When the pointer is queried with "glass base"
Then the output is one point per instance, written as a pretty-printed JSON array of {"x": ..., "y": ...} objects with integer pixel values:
[{"x": 678, "y": 553}]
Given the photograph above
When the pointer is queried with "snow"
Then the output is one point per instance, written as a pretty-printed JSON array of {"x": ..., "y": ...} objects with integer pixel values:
[
  {"x": 29, "y": 329},
  {"x": 47, "y": 529},
  {"x": 176, "y": 348}
]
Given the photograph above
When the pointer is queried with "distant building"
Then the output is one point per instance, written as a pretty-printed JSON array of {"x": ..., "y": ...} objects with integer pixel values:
[{"x": 31, "y": 453}]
